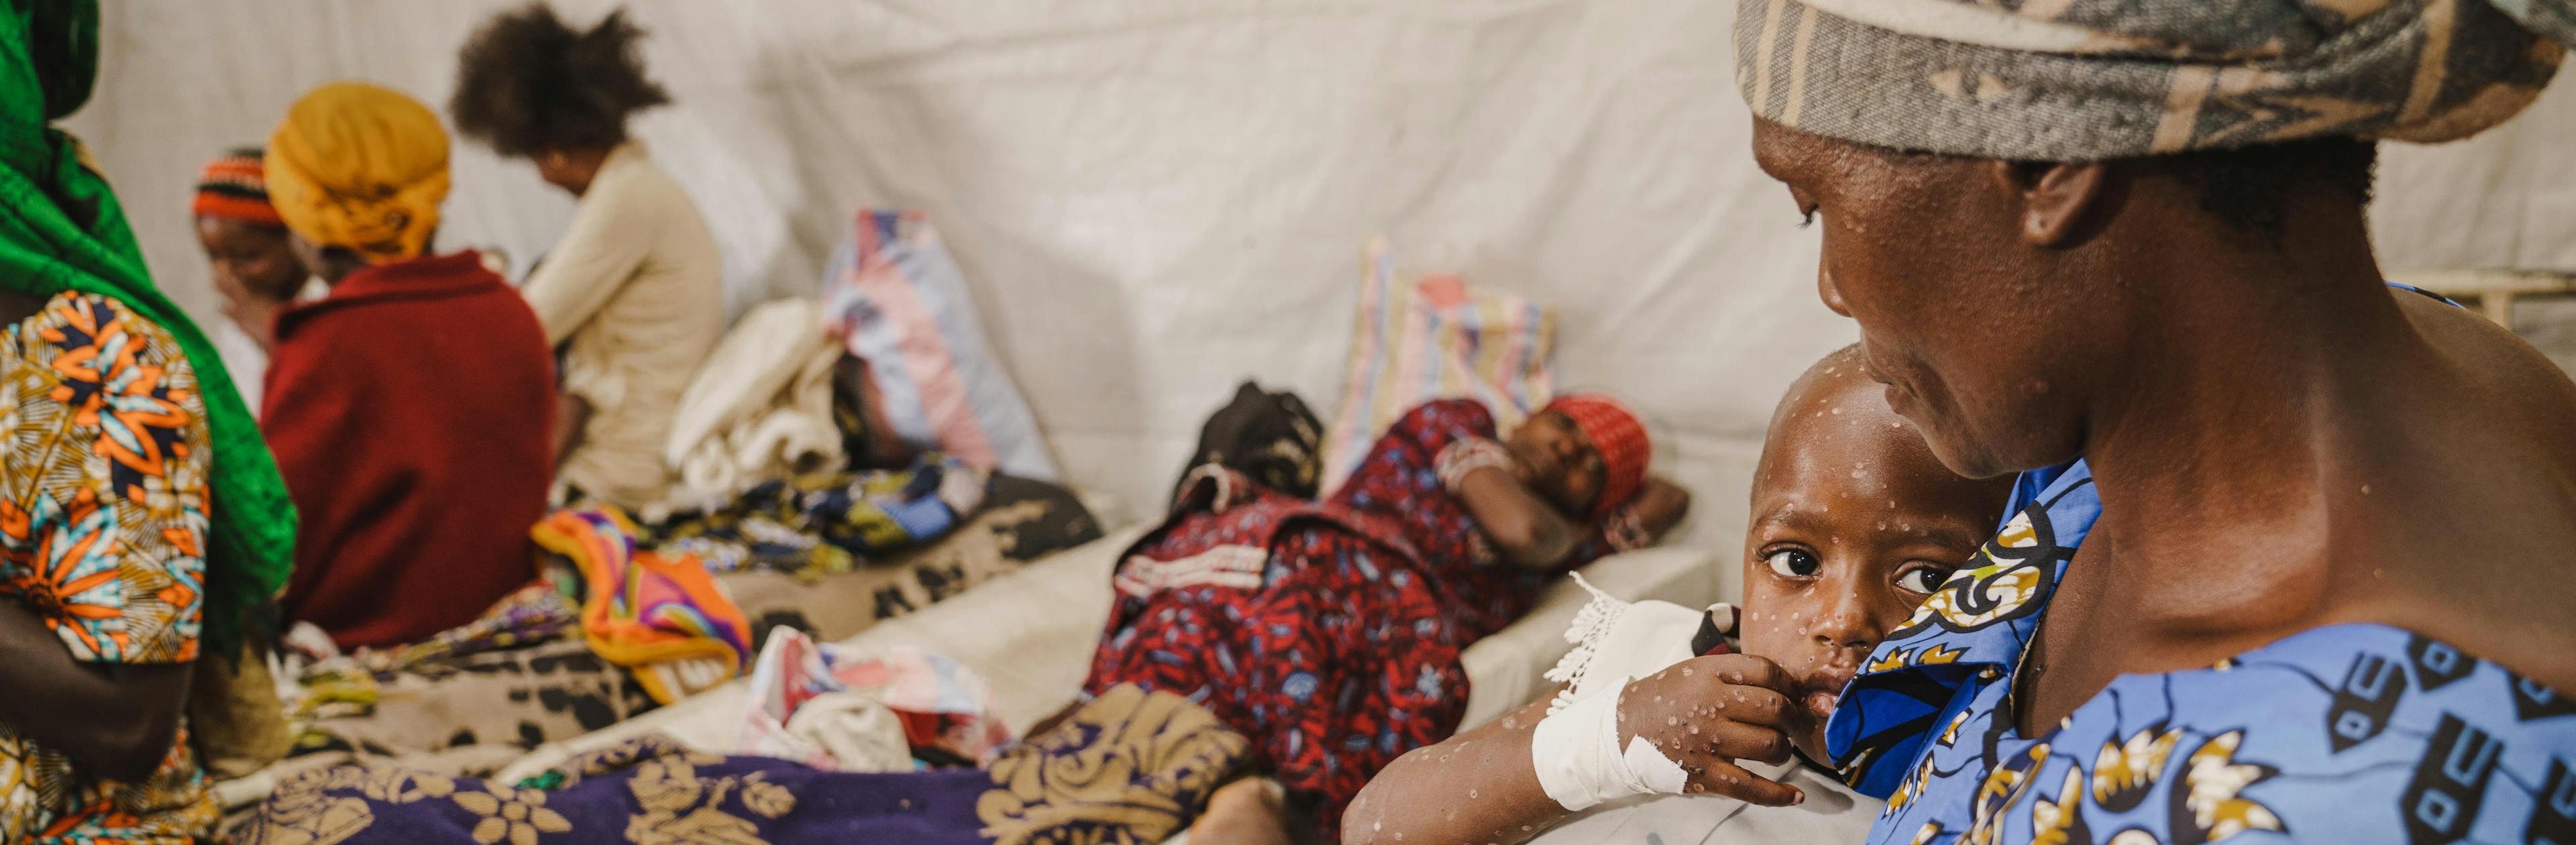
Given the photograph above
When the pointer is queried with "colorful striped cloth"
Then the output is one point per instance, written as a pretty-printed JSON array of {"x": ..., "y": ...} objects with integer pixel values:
[
  {"x": 945, "y": 710},
  {"x": 664, "y": 619},
  {"x": 1434, "y": 338},
  {"x": 897, "y": 300}
]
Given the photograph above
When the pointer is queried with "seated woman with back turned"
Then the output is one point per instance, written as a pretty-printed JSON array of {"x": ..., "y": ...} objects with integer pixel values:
[
  {"x": 410, "y": 407},
  {"x": 633, "y": 293}
]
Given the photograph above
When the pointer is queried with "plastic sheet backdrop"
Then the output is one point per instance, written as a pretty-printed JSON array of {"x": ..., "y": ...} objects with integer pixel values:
[{"x": 1154, "y": 200}]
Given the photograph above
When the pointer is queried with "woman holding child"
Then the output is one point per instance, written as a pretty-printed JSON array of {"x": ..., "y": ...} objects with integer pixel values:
[
  {"x": 1853, "y": 523},
  {"x": 2294, "y": 566},
  {"x": 417, "y": 487},
  {"x": 2268, "y": 503}
]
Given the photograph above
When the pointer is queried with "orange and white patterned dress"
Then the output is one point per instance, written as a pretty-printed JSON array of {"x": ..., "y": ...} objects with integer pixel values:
[{"x": 103, "y": 463}]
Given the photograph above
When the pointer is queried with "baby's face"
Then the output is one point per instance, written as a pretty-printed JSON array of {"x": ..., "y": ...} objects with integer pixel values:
[{"x": 1853, "y": 524}]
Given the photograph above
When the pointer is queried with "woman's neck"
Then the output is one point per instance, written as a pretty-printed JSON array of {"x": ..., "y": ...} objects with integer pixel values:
[
  {"x": 2255, "y": 401},
  {"x": 2289, "y": 444}
]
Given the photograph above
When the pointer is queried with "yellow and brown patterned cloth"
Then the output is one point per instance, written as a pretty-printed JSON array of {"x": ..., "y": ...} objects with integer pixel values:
[
  {"x": 62, "y": 229},
  {"x": 2087, "y": 80},
  {"x": 103, "y": 520}
]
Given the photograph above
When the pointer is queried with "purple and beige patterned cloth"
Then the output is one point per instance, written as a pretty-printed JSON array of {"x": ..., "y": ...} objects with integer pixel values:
[{"x": 1128, "y": 766}]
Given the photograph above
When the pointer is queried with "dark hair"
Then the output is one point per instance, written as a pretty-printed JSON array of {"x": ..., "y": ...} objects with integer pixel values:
[
  {"x": 2251, "y": 187},
  {"x": 526, "y": 83}
]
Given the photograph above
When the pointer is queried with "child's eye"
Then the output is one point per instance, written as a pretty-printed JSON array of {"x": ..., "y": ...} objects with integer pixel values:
[
  {"x": 1923, "y": 580},
  {"x": 1794, "y": 563}
]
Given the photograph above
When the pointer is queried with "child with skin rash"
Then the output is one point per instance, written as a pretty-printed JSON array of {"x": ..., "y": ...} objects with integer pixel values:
[{"x": 1853, "y": 524}]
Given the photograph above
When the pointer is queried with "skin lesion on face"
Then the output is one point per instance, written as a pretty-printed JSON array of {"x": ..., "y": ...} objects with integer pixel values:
[{"x": 1853, "y": 524}]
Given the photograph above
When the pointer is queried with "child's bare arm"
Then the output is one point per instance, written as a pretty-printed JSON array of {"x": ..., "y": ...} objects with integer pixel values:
[
  {"x": 1705, "y": 714},
  {"x": 1478, "y": 786}
]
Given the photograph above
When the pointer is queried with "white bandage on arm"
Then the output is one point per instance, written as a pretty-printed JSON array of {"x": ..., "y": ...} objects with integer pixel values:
[{"x": 1580, "y": 764}]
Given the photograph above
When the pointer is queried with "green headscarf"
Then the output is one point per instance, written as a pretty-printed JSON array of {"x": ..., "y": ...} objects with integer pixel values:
[{"x": 61, "y": 229}]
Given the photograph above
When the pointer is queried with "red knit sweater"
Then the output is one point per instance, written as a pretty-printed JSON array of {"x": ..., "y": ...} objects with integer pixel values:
[{"x": 411, "y": 412}]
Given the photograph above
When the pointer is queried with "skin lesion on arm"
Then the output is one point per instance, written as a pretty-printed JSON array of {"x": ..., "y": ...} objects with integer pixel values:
[{"x": 1478, "y": 786}]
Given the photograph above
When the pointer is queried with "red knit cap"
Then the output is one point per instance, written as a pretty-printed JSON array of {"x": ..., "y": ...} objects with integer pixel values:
[
  {"x": 235, "y": 188},
  {"x": 1620, "y": 439}
]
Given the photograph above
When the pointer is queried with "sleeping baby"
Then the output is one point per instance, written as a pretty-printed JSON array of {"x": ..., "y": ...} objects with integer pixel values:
[{"x": 1685, "y": 726}]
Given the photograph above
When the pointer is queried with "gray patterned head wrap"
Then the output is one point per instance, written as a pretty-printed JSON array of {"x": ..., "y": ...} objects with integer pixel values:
[{"x": 2086, "y": 80}]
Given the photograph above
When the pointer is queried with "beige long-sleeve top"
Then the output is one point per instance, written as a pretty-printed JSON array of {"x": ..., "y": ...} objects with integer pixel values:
[{"x": 636, "y": 287}]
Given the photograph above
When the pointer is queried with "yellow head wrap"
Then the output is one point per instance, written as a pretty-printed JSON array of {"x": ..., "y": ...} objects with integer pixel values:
[{"x": 359, "y": 167}]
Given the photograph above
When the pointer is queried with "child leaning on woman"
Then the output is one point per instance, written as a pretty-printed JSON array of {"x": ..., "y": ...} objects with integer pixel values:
[{"x": 1681, "y": 726}]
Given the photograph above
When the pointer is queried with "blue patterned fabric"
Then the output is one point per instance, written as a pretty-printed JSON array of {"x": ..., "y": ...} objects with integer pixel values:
[{"x": 2346, "y": 733}]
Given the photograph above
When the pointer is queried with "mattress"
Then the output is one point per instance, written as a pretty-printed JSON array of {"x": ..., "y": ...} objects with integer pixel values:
[{"x": 1030, "y": 633}]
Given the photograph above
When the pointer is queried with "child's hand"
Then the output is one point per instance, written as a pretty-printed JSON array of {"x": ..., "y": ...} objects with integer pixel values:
[{"x": 1705, "y": 713}]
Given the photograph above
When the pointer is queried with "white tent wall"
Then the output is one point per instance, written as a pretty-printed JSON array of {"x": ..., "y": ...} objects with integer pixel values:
[{"x": 1157, "y": 198}]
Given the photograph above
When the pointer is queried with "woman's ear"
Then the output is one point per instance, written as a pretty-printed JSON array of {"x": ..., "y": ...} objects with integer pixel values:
[{"x": 2055, "y": 199}]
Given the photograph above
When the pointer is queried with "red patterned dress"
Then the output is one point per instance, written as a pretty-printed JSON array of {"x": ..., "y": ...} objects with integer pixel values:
[{"x": 1329, "y": 632}]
